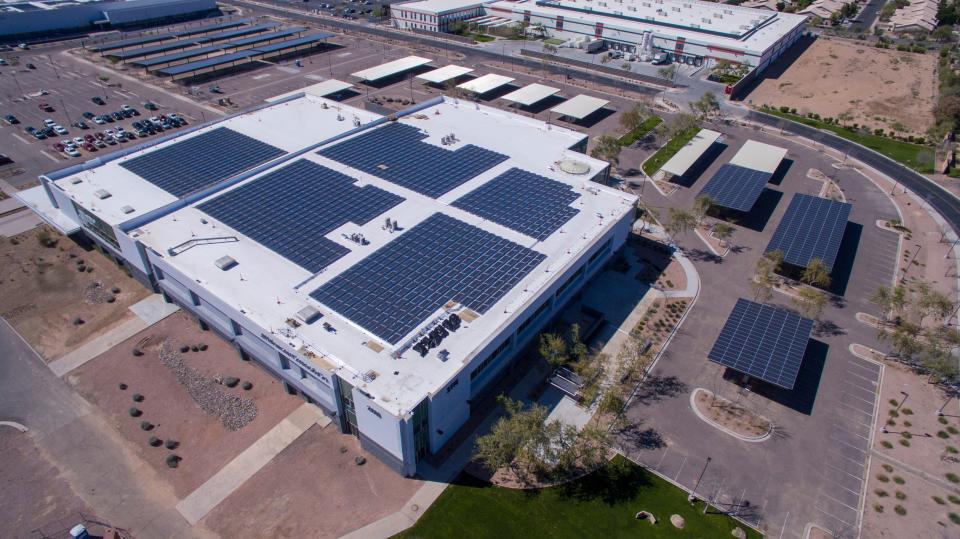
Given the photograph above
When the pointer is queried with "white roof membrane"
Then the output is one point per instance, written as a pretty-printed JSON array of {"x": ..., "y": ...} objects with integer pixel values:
[
  {"x": 531, "y": 94},
  {"x": 580, "y": 107},
  {"x": 391, "y": 68},
  {"x": 486, "y": 83}
]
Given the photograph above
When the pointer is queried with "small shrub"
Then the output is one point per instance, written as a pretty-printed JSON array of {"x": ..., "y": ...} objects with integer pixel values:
[
  {"x": 248, "y": 385},
  {"x": 171, "y": 444},
  {"x": 878, "y": 508},
  {"x": 115, "y": 290},
  {"x": 952, "y": 430},
  {"x": 950, "y": 449},
  {"x": 900, "y": 510},
  {"x": 184, "y": 349},
  {"x": 883, "y": 478},
  {"x": 955, "y": 518},
  {"x": 954, "y": 499},
  {"x": 137, "y": 352},
  {"x": 137, "y": 397},
  {"x": 900, "y": 495},
  {"x": 135, "y": 412},
  {"x": 893, "y": 402},
  {"x": 906, "y": 435},
  {"x": 230, "y": 381},
  {"x": 194, "y": 348},
  {"x": 907, "y": 424},
  {"x": 942, "y": 420},
  {"x": 942, "y": 434},
  {"x": 880, "y": 492},
  {"x": 155, "y": 442},
  {"x": 907, "y": 411},
  {"x": 360, "y": 460},
  {"x": 146, "y": 426},
  {"x": 952, "y": 477},
  {"x": 173, "y": 461},
  {"x": 891, "y": 423},
  {"x": 898, "y": 480},
  {"x": 887, "y": 468},
  {"x": 904, "y": 442},
  {"x": 939, "y": 500},
  {"x": 886, "y": 445},
  {"x": 893, "y": 413},
  {"x": 202, "y": 347},
  {"x": 122, "y": 386}
]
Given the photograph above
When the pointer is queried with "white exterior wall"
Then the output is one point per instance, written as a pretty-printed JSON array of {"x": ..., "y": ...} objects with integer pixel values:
[
  {"x": 407, "y": 16},
  {"x": 382, "y": 428}
]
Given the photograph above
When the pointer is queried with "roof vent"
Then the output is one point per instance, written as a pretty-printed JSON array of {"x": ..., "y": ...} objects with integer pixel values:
[
  {"x": 225, "y": 262},
  {"x": 75, "y": 181},
  {"x": 102, "y": 194},
  {"x": 308, "y": 314},
  {"x": 127, "y": 209}
]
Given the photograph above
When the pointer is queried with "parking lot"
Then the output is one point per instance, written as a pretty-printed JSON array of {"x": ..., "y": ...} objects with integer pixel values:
[
  {"x": 68, "y": 86},
  {"x": 813, "y": 467}
]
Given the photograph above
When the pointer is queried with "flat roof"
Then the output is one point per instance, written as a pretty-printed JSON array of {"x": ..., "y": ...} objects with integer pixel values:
[
  {"x": 685, "y": 157},
  {"x": 269, "y": 288},
  {"x": 320, "y": 89},
  {"x": 580, "y": 106},
  {"x": 439, "y": 6},
  {"x": 391, "y": 68},
  {"x": 486, "y": 83},
  {"x": 531, "y": 94},
  {"x": 445, "y": 73},
  {"x": 759, "y": 156}
]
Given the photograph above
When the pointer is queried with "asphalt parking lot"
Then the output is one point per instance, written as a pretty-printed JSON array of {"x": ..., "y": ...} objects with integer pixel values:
[
  {"x": 813, "y": 468},
  {"x": 69, "y": 85}
]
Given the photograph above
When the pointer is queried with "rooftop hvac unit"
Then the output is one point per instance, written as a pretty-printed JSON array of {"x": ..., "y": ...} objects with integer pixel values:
[
  {"x": 75, "y": 181},
  {"x": 127, "y": 209},
  {"x": 705, "y": 20},
  {"x": 728, "y": 11},
  {"x": 225, "y": 262},
  {"x": 102, "y": 194},
  {"x": 308, "y": 314},
  {"x": 675, "y": 9}
]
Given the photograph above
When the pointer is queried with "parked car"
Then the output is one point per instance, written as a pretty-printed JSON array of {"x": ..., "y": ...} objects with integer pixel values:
[
  {"x": 49, "y": 121},
  {"x": 78, "y": 141},
  {"x": 39, "y": 135},
  {"x": 59, "y": 129},
  {"x": 149, "y": 105},
  {"x": 45, "y": 107},
  {"x": 88, "y": 115},
  {"x": 11, "y": 119},
  {"x": 71, "y": 151},
  {"x": 81, "y": 125},
  {"x": 30, "y": 66},
  {"x": 126, "y": 107},
  {"x": 98, "y": 100},
  {"x": 89, "y": 147},
  {"x": 59, "y": 147},
  {"x": 125, "y": 113},
  {"x": 117, "y": 116}
]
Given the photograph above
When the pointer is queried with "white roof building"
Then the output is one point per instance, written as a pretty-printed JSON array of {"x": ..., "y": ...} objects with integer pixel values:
[{"x": 920, "y": 15}]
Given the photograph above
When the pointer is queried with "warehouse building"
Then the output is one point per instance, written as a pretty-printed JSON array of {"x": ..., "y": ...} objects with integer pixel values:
[
  {"x": 385, "y": 268},
  {"x": 686, "y": 31},
  {"x": 24, "y": 20}
]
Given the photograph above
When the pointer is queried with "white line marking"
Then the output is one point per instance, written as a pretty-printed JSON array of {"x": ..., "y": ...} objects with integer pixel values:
[
  {"x": 855, "y": 409},
  {"x": 858, "y": 478},
  {"x": 839, "y": 501},
  {"x": 857, "y": 462},
  {"x": 833, "y": 516},
  {"x": 52, "y": 158},
  {"x": 681, "y": 468},
  {"x": 872, "y": 381},
  {"x": 784, "y": 527},
  {"x": 856, "y": 492},
  {"x": 18, "y": 137},
  {"x": 663, "y": 456},
  {"x": 864, "y": 451}
]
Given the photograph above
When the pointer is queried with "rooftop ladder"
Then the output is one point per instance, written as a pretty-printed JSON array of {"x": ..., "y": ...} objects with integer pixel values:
[{"x": 191, "y": 243}]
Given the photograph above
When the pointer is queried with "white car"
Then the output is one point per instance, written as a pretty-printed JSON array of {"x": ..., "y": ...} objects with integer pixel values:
[
  {"x": 98, "y": 120},
  {"x": 126, "y": 107},
  {"x": 58, "y": 129},
  {"x": 71, "y": 151},
  {"x": 108, "y": 133},
  {"x": 49, "y": 122},
  {"x": 78, "y": 141}
]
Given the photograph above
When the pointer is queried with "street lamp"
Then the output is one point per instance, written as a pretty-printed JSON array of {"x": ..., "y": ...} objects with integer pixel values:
[{"x": 693, "y": 493}]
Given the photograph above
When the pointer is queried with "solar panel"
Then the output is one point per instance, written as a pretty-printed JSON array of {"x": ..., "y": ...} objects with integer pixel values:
[
  {"x": 291, "y": 43},
  {"x": 398, "y": 154},
  {"x": 264, "y": 37},
  {"x": 167, "y": 58},
  {"x": 201, "y": 161},
  {"x": 737, "y": 188},
  {"x": 291, "y": 209},
  {"x": 144, "y": 51},
  {"x": 764, "y": 342},
  {"x": 395, "y": 289},
  {"x": 812, "y": 228},
  {"x": 157, "y": 37},
  {"x": 206, "y": 62},
  {"x": 523, "y": 201},
  {"x": 219, "y": 36}
]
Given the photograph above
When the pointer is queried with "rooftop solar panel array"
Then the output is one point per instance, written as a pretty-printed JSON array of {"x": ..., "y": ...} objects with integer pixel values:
[
  {"x": 200, "y": 161},
  {"x": 398, "y": 154},
  {"x": 399, "y": 286},
  {"x": 763, "y": 342},
  {"x": 812, "y": 228},
  {"x": 737, "y": 188},
  {"x": 291, "y": 209},
  {"x": 112, "y": 45},
  {"x": 523, "y": 201}
]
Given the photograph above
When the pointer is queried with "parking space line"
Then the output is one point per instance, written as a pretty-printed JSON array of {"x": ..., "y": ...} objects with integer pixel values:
[
  {"x": 864, "y": 451},
  {"x": 681, "y": 468},
  {"x": 869, "y": 402},
  {"x": 50, "y": 157},
  {"x": 784, "y": 527},
  {"x": 858, "y": 463},
  {"x": 840, "y": 501},
  {"x": 18, "y": 137},
  {"x": 857, "y": 477},
  {"x": 663, "y": 456},
  {"x": 855, "y": 409},
  {"x": 831, "y": 515},
  {"x": 871, "y": 392},
  {"x": 870, "y": 380},
  {"x": 857, "y": 492}
]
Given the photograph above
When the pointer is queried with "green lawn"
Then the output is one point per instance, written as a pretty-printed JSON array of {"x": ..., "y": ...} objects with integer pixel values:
[
  {"x": 915, "y": 156},
  {"x": 481, "y": 38},
  {"x": 602, "y": 504},
  {"x": 640, "y": 131},
  {"x": 553, "y": 41},
  {"x": 650, "y": 166}
]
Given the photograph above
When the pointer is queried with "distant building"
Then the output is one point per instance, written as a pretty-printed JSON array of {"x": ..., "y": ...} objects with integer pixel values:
[
  {"x": 41, "y": 18},
  {"x": 434, "y": 15},
  {"x": 769, "y": 5},
  {"x": 919, "y": 16},
  {"x": 687, "y": 31},
  {"x": 823, "y": 9}
]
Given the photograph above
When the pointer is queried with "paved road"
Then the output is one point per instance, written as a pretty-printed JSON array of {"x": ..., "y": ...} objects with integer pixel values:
[{"x": 947, "y": 204}]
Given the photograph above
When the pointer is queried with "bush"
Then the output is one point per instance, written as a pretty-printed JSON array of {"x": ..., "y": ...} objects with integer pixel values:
[
  {"x": 155, "y": 442},
  {"x": 906, "y": 435},
  {"x": 883, "y": 478},
  {"x": 248, "y": 385},
  {"x": 898, "y": 480},
  {"x": 46, "y": 239},
  {"x": 173, "y": 461},
  {"x": 886, "y": 445},
  {"x": 172, "y": 444},
  {"x": 122, "y": 386},
  {"x": 878, "y": 508},
  {"x": 955, "y": 518},
  {"x": 952, "y": 430},
  {"x": 893, "y": 402},
  {"x": 202, "y": 347},
  {"x": 950, "y": 449},
  {"x": 904, "y": 442},
  {"x": 942, "y": 434},
  {"x": 135, "y": 412},
  {"x": 891, "y": 423},
  {"x": 942, "y": 420},
  {"x": 900, "y": 495},
  {"x": 115, "y": 290},
  {"x": 952, "y": 477},
  {"x": 137, "y": 352},
  {"x": 954, "y": 499},
  {"x": 184, "y": 349},
  {"x": 230, "y": 381},
  {"x": 146, "y": 426},
  {"x": 907, "y": 411},
  {"x": 907, "y": 424},
  {"x": 887, "y": 468},
  {"x": 194, "y": 348},
  {"x": 900, "y": 510},
  {"x": 137, "y": 397},
  {"x": 893, "y": 413},
  {"x": 880, "y": 492},
  {"x": 939, "y": 500}
]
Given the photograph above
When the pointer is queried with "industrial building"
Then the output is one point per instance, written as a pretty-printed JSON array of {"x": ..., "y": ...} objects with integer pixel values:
[
  {"x": 22, "y": 20},
  {"x": 388, "y": 269},
  {"x": 686, "y": 31}
]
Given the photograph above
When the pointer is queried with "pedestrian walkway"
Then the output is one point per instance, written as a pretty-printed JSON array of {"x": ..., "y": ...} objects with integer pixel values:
[
  {"x": 216, "y": 489},
  {"x": 149, "y": 311}
]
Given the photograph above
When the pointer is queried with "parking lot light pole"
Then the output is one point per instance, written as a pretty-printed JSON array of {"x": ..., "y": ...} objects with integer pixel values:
[
  {"x": 693, "y": 493},
  {"x": 65, "y": 113}
]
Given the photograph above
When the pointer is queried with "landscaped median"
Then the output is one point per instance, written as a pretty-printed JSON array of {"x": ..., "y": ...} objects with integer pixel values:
[
  {"x": 602, "y": 504},
  {"x": 657, "y": 160},
  {"x": 640, "y": 131},
  {"x": 916, "y": 156}
]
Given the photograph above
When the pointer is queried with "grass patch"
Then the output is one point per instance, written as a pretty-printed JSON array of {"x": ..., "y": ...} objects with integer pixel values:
[
  {"x": 906, "y": 153},
  {"x": 657, "y": 160},
  {"x": 641, "y": 131},
  {"x": 601, "y": 504},
  {"x": 553, "y": 41},
  {"x": 480, "y": 38},
  {"x": 952, "y": 477}
]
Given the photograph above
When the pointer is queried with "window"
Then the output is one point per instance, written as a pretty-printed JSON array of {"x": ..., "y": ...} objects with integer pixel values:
[
  {"x": 453, "y": 385},
  {"x": 533, "y": 317},
  {"x": 601, "y": 251},
  {"x": 573, "y": 278},
  {"x": 489, "y": 359}
]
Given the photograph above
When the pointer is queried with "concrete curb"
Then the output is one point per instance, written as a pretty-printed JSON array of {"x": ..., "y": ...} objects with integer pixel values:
[
  {"x": 708, "y": 421},
  {"x": 15, "y": 425}
]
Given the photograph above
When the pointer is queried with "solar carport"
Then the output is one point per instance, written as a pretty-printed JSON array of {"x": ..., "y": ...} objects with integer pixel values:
[
  {"x": 579, "y": 107},
  {"x": 177, "y": 57},
  {"x": 763, "y": 342},
  {"x": 811, "y": 228},
  {"x": 320, "y": 89},
  {"x": 389, "y": 69},
  {"x": 113, "y": 45},
  {"x": 739, "y": 183},
  {"x": 182, "y": 44},
  {"x": 530, "y": 94},
  {"x": 445, "y": 73},
  {"x": 486, "y": 83}
]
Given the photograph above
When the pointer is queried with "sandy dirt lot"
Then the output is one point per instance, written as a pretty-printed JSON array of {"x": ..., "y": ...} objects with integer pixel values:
[
  {"x": 204, "y": 443},
  {"x": 877, "y": 87},
  {"x": 313, "y": 488},
  {"x": 34, "y": 494},
  {"x": 42, "y": 291}
]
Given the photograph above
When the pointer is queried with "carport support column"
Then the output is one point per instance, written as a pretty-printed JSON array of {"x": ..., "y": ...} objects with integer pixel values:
[
  {"x": 203, "y": 325},
  {"x": 288, "y": 387}
]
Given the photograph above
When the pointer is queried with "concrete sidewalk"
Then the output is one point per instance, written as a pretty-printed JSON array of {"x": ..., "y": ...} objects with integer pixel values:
[
  {"x": 149, "y": 311},
  {"x": 236, "y": 472}
]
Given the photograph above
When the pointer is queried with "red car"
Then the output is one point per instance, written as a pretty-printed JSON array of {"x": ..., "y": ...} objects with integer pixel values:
[
  {"x": 99, "y": 135},
  {"x": 59, "y": 147},
  {"x": 89, "y": 147},
  {"x": 45, "y": 107},
  {"x": 89, "y": 138}
]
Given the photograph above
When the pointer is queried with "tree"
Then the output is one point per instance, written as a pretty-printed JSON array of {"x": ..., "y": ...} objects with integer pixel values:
[
  {"x": 765, "y": 276},
  {"x": 668, "y": 72},
  {"x": 635, "y": 117},
  {"x": 682, "y": 123},
  {"x": 577, "y": 348},
  {"x": 701, "y": 207},
  {"x": 723, "y": 231},
  {"x": 943, "y": 34},
  {"x": 648, "y": 216},
  {"x": 816, "y": 274},
  {"x": 554, "y": 349},
  {"x": 521, "y": 440},
  {"x": 608, "y": 149},
  {"x": 932, "y": 303},
  {"x": 810, "y": 302},
  {"x": 775, "y": 259},
  {"x": 681, "y": 221},
  {"x": 705, "y": 107}
]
